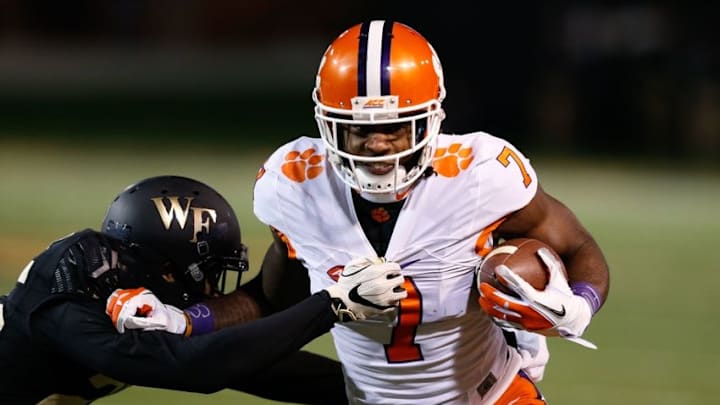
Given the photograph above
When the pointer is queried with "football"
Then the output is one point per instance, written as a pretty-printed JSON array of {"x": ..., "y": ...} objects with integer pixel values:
[{"x": 520, "y": 255}]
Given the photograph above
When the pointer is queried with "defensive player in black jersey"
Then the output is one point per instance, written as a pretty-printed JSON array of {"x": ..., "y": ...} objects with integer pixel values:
[{"x": 169, "y": 238}]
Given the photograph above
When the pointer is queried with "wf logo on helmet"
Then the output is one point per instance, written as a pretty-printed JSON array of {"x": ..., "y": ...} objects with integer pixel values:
[{"x": 201, "y": 217}]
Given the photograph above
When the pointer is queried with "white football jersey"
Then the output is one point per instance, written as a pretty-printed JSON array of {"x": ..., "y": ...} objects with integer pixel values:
[{"x": 439, "y": 347}]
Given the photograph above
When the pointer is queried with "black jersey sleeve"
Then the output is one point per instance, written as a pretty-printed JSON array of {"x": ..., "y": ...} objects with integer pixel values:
[
  {"x": 303, "y": 378},
  {"x": 81, "y": 332}
]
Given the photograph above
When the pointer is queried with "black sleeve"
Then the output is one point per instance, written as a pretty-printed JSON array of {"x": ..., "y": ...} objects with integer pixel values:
[
  {"x": 84, "y": 334},
  {"x": 303, "y": 378}
]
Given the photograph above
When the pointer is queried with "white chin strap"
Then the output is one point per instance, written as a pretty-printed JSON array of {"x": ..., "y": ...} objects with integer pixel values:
[{"x": 369, "y": 181}]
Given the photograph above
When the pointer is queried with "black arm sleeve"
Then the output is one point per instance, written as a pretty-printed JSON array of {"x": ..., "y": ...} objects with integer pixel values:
[
  {"x": 84, "y": 334},
  {"x": 302, "y": 377}
]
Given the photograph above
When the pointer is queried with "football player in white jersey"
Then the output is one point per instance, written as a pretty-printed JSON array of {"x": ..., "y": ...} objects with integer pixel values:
[{"x": 381, "y": 184}]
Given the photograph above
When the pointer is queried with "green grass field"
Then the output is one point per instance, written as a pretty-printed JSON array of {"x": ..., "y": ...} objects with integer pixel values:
[{"x": 658, "y": 225}]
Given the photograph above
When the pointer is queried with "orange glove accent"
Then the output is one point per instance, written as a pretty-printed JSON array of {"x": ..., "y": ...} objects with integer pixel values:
[
  {"x": 139, "y": 308},
  {"x": 118, "y": 298},
  {"x": 519, "y": 314},
  {"x": 554, "y": 311}
]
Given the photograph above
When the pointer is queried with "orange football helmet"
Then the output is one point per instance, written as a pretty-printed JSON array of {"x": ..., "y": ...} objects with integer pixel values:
[{"x": 379, "y": 73}]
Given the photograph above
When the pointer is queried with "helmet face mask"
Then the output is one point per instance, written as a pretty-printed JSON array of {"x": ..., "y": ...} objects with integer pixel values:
[
  {"x": 214, "y": 270},
  {"x": 380, "y": 73},
  {"x": 188, "y": 229}
]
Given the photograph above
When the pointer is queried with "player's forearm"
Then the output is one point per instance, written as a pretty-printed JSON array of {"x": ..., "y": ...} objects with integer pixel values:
[
  {"x": 159, "y": 359},
  {"x": 217, "y": 313},
  {"x": 241, "y": 351},
  {"x": 245, "y": 304},
  {"x": 588, "y": 273},
  {"x": 232, "y": 309}
]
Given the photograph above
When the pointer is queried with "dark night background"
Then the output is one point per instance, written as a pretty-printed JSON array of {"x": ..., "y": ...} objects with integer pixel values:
[{"x": 608, "y": 78}]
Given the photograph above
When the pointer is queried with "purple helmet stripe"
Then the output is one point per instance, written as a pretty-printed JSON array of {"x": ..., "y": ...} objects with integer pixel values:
[
  {"x": 385, "y": 59},
  {"x": 362, "y": 59}
]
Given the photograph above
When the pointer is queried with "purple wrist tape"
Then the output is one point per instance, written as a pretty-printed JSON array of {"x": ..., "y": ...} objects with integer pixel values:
[
  {"x": 201, "y": 318},
  {"x": 587, "y": 291}
]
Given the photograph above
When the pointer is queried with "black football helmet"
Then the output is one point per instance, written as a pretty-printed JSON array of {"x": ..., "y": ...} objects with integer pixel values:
[{"x": 185, "y": 223}]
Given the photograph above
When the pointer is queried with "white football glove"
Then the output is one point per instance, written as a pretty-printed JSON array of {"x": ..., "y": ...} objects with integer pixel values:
[
  {"x": 555, "y": 311},
  {"x": 139, "y": 308},
  {"x": 367, "y": 287},
  {"x": 534, "y": 352}
]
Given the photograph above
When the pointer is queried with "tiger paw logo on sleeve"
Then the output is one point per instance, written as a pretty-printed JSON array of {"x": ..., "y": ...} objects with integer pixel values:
[
  {"x": 450, "y": 161},
  {"x": 301, "y": 166}
]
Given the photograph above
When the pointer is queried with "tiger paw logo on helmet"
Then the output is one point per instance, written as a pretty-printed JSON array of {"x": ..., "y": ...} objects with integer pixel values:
[
  {"x": 450, "y": 161},
  {"x": 301, "y": 166}
]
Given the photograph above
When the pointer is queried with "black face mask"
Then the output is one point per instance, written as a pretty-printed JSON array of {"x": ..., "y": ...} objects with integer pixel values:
[
  {"x": 213, "y": 271},
  {"x": 146, "y": 268}
]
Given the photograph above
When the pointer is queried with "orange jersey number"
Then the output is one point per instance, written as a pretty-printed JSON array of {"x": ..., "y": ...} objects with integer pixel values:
[
  {"x": 403, "y": 348},
  {"x": 504, "y": 159}
]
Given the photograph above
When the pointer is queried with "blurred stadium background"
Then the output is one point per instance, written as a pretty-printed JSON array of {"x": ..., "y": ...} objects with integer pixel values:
[{"x": 618, "y": 105}]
